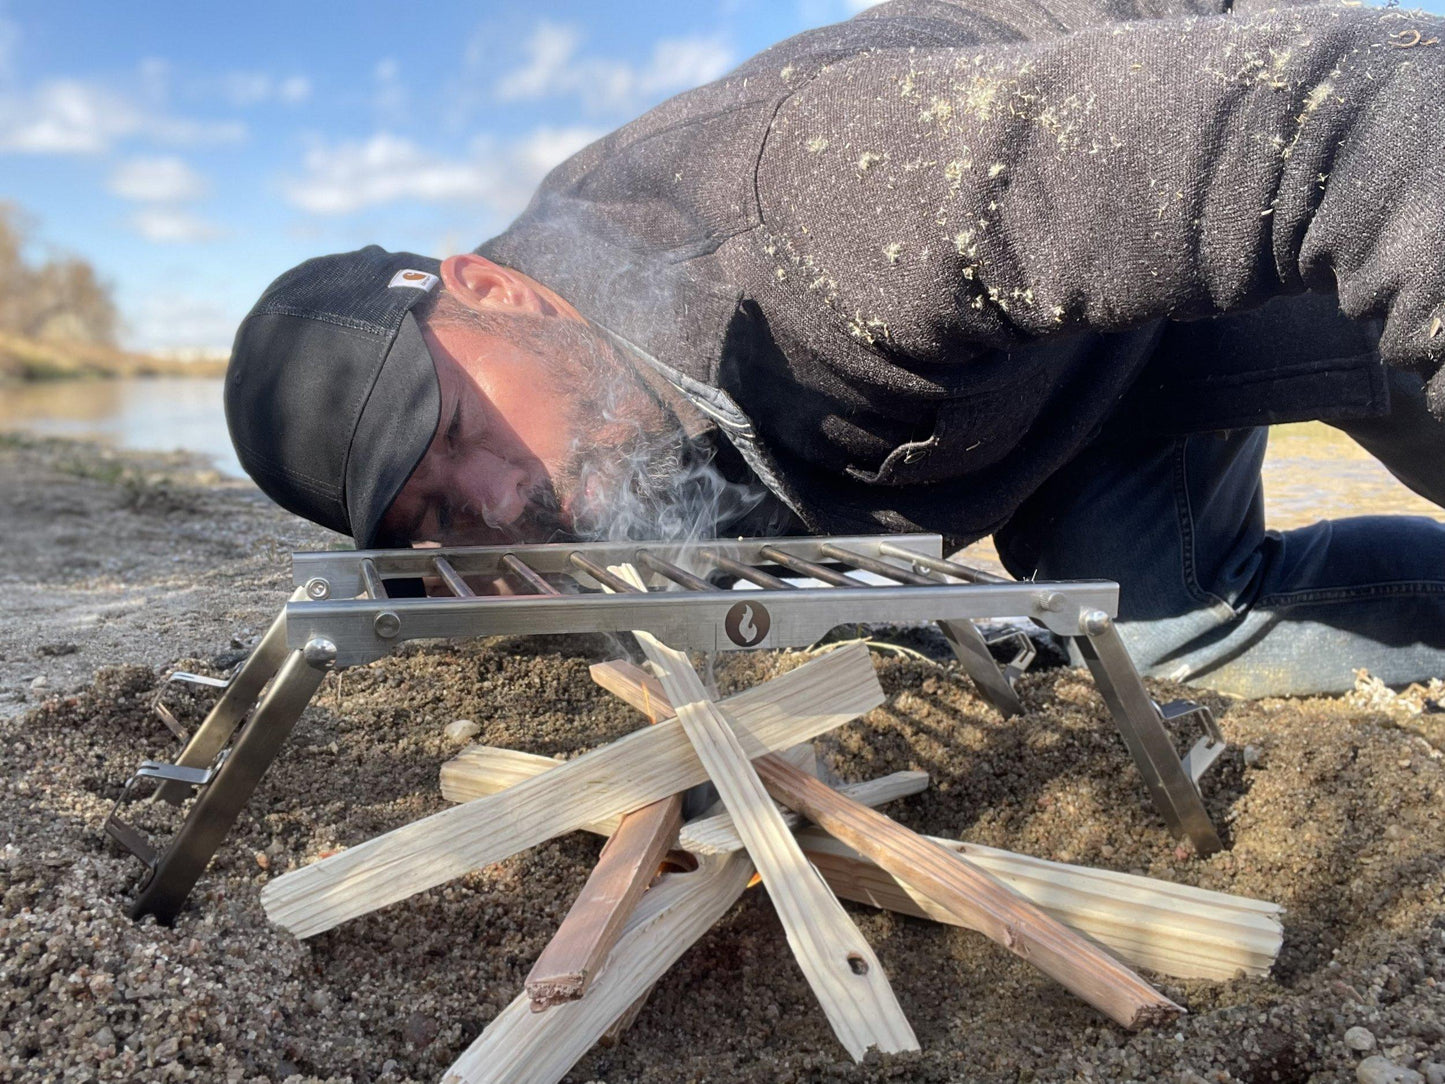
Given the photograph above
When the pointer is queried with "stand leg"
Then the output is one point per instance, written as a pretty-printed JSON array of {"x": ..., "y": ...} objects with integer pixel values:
[
  {"x": 211, "y": 737},
  {"x": 1175, "y": 794},
  {"x": 219, "y": 804},
  {"x": 972, "y": 651}
]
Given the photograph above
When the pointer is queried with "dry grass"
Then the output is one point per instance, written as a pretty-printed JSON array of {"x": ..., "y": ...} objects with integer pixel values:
[{"x": 32, "y": 359}]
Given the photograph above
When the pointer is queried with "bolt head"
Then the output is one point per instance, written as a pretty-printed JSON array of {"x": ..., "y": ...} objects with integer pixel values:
[
  {"x": 319, "y": 652},
  {"x": 317, "y": 588},
  {"x": 387, "y": 625},
  {"x": 1096, "y": 622},
  {"x": 1051, "y": 601}
]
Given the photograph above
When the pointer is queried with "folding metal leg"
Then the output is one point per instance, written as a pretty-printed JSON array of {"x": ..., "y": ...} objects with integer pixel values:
[
  {"x": 213, "y": 734},
  {"x": 1172, "y": 782},
  {"x": 972, "y": 651},
  {"x": 180, "y": 865}
]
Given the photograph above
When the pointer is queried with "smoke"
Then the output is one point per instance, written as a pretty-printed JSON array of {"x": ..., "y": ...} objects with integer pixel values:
[
  {"x": 648, "y": 480},
  {"x": 632, "y": 473}
]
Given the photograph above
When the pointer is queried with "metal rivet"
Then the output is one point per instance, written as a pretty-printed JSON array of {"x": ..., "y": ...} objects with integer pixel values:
[
  {"x": 387, "y": 624},
  {"x": 320, "y": 653},
  {"x": 318, "y": 588},
  {"x": 1096, "y": 622}
]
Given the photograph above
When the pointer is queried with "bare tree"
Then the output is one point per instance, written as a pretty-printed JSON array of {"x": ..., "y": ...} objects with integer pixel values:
[{"x": 60, "y": 299}]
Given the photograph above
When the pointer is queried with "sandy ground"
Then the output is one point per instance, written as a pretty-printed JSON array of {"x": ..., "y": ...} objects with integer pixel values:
[{"x": 117, "y": 569}]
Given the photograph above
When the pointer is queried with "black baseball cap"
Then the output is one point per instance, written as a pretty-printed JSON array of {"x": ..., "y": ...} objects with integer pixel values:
[{"x": 331, "y": 395}]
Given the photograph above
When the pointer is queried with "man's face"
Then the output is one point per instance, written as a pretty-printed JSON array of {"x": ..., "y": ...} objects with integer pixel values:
[
  {"x": 497, "y": 468},
  {"x": 540, "y": 438}
]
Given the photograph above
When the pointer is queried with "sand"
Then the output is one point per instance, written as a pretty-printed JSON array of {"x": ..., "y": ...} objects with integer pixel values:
[{"x": 117, "y": 570}]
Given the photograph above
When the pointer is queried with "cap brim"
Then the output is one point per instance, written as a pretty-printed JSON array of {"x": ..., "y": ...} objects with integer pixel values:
[{"x": 395, "y": 430}]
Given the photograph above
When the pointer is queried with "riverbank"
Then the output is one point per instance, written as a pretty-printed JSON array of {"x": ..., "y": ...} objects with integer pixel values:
[
  {"x": 24, "y": 359},
  {"x": 119, "y": 567}
]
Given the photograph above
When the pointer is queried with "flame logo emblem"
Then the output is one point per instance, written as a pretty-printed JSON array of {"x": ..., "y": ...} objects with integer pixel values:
[
  {"x": 746, "y": 629},
  {"x": 747, "y": 624}
]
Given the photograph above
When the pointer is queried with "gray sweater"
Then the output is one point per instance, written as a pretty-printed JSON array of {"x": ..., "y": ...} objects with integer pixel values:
[{"x": 913, "y": 261}]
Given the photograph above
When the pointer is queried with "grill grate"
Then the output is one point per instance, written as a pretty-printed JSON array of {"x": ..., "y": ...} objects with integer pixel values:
[{"x": 353, "y": 607}]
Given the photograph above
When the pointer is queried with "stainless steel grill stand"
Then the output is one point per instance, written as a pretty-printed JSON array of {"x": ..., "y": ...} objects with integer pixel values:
[{"x": 343, "y": 614}]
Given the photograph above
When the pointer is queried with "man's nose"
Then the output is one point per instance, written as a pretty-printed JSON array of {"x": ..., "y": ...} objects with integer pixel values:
[{"x": 498, "y": 489}]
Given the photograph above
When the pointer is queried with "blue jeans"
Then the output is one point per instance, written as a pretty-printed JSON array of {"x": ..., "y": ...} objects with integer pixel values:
[{"x": 1209, "y": 596}]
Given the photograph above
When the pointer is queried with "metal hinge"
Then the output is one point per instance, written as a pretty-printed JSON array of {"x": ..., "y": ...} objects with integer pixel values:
[
  {"x": 165, "y": 713},
  {"x": 128, "y": 835},
  {"x": 1206, "y": 750}
]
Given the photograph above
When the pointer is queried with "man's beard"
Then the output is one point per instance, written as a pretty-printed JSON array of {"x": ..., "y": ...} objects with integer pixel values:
[
  {"x": 631, "y": 472},
  {"x": 628, "y": 456}
]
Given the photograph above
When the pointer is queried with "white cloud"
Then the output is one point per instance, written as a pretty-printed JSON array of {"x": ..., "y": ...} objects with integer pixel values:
[
  {"x": 346, "y": 177},
  {"x": 173, "y": 226},
  {"x": 157, "y": 180},
  {"x": 553, "y": 69},
  {"x": 549, "y": 51},
  {"x": 243, "y": 89},
  {"x": 63, "y": 116},
  {"x": 72, "y": 116}
]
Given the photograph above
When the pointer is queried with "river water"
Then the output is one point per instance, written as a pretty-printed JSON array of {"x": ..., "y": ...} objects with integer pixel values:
[
  {"x": 1312, "y": 472},
  {"x": 147, "y": 413}
]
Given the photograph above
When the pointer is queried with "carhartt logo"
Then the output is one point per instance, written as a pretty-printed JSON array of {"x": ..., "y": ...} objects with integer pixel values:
[
  {"x": 413, "y": 280},
  {"x": 747, "y": 623}
]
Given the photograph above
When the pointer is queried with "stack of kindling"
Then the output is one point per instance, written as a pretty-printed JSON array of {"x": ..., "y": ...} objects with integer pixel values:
[{"x": 630, "y": 922}]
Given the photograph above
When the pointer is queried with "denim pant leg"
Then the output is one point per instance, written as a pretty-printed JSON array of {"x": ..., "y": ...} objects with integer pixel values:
[{"x": 1209, "y": 596}]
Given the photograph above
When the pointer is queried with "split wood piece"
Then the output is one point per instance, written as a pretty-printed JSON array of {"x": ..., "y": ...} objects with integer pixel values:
[
  {"x": 627, "y": 865},
  {"x": 1176, "y": 930},
  {"x": 1170, "y": 928},
  {"x": 717, "y": 834},
  {"x": 523, "y": 1047},
  {"x": 977, "y": 898},
  {"x": 639, "y": 768},
  {"x": 837, "y": 960},
  {"x": 480, "y": 770}
]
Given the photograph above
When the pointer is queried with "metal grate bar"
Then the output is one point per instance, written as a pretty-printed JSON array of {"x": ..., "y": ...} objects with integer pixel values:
[
  {"x": 600, "y": 574},
  {"x": 746, "y": 572},
  {"x": 877, "y": 567},
  {"x": 937, "y": 564},
  {"x": 528, "y": 574},
  {"x": 452, "y": 578},
  {"x": 677, "y": 575},
  {"x": 371, "y": 580},
  {"x": 810, "y": 568}
]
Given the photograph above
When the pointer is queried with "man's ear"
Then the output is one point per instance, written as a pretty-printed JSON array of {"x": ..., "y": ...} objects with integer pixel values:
[{"x": 480, "y": 284}]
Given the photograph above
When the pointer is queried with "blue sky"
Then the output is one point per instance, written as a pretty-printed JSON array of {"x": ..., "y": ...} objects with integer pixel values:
[{"x": 193, "y": 151}]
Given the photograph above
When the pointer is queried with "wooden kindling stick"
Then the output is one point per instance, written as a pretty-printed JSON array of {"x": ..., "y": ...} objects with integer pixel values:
[
  {"x": 839, "y": 964},
  {"x": 1175, "y": 929},
  {"x": 635, "y": 770},
  {"x": 628, "y": 863},
  {"x": 480, "y": 770},
  {"x": 978, "y": 900},
  {"x": 523, "y": 1047}
]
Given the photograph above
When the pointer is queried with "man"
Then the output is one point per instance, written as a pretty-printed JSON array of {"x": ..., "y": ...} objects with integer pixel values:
[{"x": 1035, "y": 269}]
